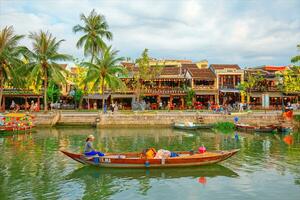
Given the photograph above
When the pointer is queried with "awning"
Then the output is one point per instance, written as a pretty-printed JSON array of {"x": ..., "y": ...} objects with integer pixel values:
[
  {"x": 120, "y": 96},
  {"x": 96, "y": 96},
  {"x": 230, "y": 90},
  {"x": 206, "y": 92}
]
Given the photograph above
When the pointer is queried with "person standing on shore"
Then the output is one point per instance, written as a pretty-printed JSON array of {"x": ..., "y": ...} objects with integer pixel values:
[{"x": 88, "y": 149}]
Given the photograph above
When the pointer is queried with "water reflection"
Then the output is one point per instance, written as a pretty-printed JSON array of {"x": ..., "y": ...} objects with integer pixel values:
[
  {"x": 112, "y": 181},
  {"x": 32, "y": 167}
]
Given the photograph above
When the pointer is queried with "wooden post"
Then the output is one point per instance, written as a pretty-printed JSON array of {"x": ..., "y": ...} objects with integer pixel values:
[{"x": 3, "y": 104}]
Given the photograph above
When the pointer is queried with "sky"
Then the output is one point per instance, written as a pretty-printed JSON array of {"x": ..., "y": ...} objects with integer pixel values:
[{"x": 244, "y": 32}]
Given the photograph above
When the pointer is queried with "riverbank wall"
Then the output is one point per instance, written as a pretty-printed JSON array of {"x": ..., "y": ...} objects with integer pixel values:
[{"x": 159, "y": 119}]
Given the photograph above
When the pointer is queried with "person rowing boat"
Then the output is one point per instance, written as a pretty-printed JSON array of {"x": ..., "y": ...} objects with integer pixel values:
[{"x": 88, "y": 149}]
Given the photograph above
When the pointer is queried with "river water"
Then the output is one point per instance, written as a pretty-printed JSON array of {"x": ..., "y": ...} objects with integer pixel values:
[{"x": 31, "y": 166}]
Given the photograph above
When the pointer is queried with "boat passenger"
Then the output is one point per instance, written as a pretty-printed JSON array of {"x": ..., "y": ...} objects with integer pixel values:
[{"x": 89, "y": 150}]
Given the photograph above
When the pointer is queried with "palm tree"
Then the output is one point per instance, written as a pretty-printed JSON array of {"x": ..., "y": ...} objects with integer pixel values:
[
  {"x": 296, "y": 58},
  {"x": 103, "y": 72},
  {"x": 43, "y": 64},
  {"x": 10, "y": 60},
  {"x": 95, "y": 29}
]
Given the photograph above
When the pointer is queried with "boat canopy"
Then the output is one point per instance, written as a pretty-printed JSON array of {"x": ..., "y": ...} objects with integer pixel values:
[{"x": 15, "y": 115}]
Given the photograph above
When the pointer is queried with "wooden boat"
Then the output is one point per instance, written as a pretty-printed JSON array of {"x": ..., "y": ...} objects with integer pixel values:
[
  {"x": 250, "y": 128},
  {"x": 265, "y": 129},
  {"x": 245, "y": 127},
  {"x": 191, "y": 126},
  {"x": 16, "y": 122},
  {"x": 134, "y": 160},
  {"x": 284, "y": 129}
]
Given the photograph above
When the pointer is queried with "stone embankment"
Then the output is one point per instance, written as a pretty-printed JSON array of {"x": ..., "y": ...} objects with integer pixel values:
[{"x": 136, "y": 119}]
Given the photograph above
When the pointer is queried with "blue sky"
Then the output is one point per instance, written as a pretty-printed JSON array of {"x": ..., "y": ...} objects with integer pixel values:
[{"x": 249, "y": 33}]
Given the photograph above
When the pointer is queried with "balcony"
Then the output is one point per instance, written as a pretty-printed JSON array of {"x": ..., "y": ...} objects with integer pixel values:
[
  {"x": 229, "y": 71},
  {"x": 227, "y": 86},
  {"x": 204, "y": 87},
  {"x": 266, "y": 89}
]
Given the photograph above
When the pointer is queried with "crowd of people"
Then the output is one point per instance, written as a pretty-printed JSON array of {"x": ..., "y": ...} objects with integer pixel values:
[{"x": 33, "y": 107}]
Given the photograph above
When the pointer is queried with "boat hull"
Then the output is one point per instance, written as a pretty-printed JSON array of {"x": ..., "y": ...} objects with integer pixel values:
[
  {"x": 15, "y": 128},
  {"x": 115, "y": 160},
  {"x": 194, "y": 127},
  {"x": 249, "y": 128}
]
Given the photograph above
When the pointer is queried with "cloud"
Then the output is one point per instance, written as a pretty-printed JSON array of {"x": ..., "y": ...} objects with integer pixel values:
[{"x": 243, "y": 32}]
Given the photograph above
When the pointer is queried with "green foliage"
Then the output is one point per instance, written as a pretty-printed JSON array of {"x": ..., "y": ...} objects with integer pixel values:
[
  {"x": 297, "y": 118},
  {"x": 103, "y": 72},
  {"x": 10, "y": 58},
  {"x": 289, "y": 80},
  {"x": 296, "y": 59},
  {"x": 225, "y": 127},
  {"x": 43, "y": 66},
  {"x": 77, "y": 95},
  {"x": 252, "y": 80},
  {"x": 95, "y": 29},
  {"x": 145, "y": 72},
  {"x": 53, "y": 92},
  {"x": 189, "y": 97}
]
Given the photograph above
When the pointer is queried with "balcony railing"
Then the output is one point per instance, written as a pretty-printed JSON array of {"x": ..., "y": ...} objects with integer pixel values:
[
  {"x": 204, "y": 87},
  {"x": 267, "y": 89},
  {"x": 238, "y": 71},
  {"x": 227, "y": 86}
]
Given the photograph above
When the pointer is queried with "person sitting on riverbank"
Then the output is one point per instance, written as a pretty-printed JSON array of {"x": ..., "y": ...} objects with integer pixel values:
[{"x": 88, "y": 149}]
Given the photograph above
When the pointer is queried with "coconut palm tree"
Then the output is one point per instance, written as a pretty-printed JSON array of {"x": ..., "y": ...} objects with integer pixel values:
[
  {"x": 10, "y": 57},
  {"x": 296, "y": 58},
  {"x": 95, "y": 30},
  {"x": 43, "y": 59},
  {"x": 104, "y": 70}
]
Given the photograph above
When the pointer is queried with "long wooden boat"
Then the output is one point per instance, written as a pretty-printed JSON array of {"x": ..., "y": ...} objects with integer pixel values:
[
  {"x": 245, "y": 127},
  {"x": 192, "y": 126},
  {"x": 250, "y": 128},
  {"x": 134, "y": 160}
]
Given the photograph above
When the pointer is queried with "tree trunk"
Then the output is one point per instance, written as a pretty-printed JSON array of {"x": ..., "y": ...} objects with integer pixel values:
[
  {"x": 103, "y": 101},
  {"x": 80, "y": 102},
  {"x": 45, "y": 91},
  {"x": 81, "y": 98},
  {"x": 1, "y": 91}
]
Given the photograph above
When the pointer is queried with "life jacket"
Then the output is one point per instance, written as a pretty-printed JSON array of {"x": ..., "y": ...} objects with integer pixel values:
[{"x": 150, "y": 153}]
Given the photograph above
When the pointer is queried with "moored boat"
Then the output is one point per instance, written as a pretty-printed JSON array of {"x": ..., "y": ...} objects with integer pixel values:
[
  {"x": 265, "y": 129},
  {"x": 284, "y": 129},
  {"x": 251, "y": 128},
  {"x": 245, "y": 127},
  {"x": 134, "y": 160},
  {"x": 16, "y": 122},
  {"x": 191, "y": 126}
]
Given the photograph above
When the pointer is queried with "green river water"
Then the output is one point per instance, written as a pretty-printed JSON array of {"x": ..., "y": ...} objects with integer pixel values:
[{"x": 31, "y": 166}]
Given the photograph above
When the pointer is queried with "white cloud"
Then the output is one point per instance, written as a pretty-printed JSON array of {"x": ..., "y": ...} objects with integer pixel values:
[{"x": 247, "y": 33}]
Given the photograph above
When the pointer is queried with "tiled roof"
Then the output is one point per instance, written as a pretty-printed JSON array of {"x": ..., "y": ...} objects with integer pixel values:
[
  {"x": 170, "y": 71},
  {"x": 127, "y": 64},
  {"x": 190, "y": 66},
  {"x": 204, "y": 73},
  {"x": 274, "y": 68},
  {"x": 224, "y": 66},
  {"x": 181, "y": 61}
]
